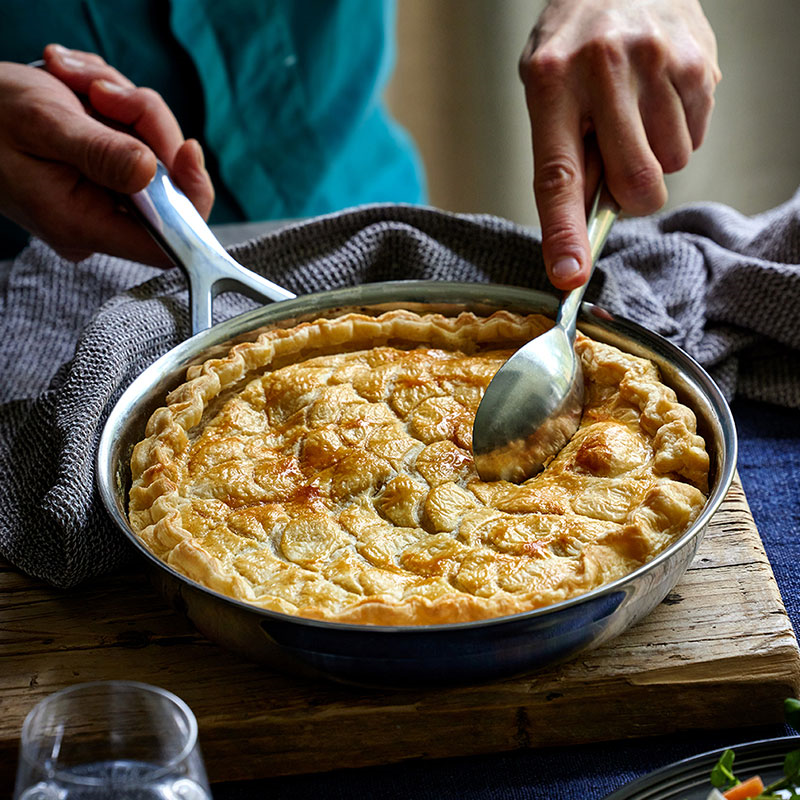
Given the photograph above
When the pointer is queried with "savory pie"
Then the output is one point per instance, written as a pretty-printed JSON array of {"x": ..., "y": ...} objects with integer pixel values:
[{"x": 325, "y": 471}]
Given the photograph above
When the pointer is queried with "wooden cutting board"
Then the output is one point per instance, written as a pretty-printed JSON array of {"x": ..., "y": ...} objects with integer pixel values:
[{"x": 720, "y": 644}]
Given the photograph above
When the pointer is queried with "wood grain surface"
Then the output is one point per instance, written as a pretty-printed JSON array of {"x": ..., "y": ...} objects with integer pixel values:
[{"x": 720, "y": 640}]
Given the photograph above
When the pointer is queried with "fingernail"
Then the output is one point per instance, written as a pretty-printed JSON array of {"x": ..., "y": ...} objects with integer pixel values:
[
  {"x": 67, "y": 57},
  {"x": 565, "y": 268},
  {"x": 129, "y": 165},
  {"x": 115, "y": 88},
  {"x": 128, "y": 159},
  {"x": 72, "y": 63},
  {"x": 201, "y": 157}
]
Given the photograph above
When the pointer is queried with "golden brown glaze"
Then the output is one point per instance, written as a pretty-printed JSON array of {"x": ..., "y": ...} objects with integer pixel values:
[{"x": 340, "y": 485}]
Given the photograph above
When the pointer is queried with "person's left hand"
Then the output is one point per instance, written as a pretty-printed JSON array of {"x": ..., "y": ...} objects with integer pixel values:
[{"x": 58, "y": 162}]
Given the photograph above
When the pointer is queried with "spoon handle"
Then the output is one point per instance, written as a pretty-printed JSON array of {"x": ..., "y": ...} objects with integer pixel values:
[{"x": 598, "y": 224}]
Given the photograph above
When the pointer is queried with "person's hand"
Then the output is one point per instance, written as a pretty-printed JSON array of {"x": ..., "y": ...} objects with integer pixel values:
[
  {"x": 58, "y": 163},
  {"x": 623, "y": 88}
]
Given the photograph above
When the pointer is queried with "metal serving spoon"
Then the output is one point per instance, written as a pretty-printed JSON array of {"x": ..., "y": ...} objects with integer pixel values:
[{"x": 533, "y": 405}]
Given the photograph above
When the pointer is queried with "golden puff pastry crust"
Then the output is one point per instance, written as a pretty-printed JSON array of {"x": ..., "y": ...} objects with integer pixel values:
[{"x": 325, "y": 471}]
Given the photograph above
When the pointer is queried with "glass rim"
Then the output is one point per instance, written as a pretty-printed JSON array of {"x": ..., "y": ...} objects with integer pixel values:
[{"x": 66, "y": 775}]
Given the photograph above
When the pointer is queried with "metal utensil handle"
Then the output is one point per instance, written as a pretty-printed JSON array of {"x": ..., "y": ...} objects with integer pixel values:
[
  {"x": 182, "y": 233},
  {"x": 603, "y": 213}
]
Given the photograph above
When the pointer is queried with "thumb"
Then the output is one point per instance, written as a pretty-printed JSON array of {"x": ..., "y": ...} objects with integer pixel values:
[
  {"x": 104, "y": 155},
  {"x": 189, "y": 172}
]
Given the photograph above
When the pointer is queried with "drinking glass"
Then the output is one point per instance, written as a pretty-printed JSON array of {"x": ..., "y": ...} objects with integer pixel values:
[{"x": 111, "y": 739}]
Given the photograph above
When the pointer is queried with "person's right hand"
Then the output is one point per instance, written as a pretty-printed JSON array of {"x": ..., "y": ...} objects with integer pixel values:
[
  {"x": 58, "y": 163},
  {"x": 619, "y": 87}
]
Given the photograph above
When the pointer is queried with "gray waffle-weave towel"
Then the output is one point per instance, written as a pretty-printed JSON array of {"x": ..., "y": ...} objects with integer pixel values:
[{"x": 724, "y": 287}]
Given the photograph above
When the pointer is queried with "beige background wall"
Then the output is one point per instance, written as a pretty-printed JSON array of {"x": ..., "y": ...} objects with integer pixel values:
[{"x": 456, "y": 89}]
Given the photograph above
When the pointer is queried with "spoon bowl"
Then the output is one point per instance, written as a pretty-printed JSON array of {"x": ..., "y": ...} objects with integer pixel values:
[
  {"x": 548, "y": 409},
  {"x": 533, "y": 405}
]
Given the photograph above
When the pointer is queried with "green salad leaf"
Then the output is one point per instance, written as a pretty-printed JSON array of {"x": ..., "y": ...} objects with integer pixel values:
[
  {"x": 791, "y": 711},
  {"x": 791, "y": 764},
  {"x": 722, "y": 774}
]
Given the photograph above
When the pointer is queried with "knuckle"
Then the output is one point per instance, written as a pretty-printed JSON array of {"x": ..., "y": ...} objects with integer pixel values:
[
  {"x": 695, "y": 74},
  {"x": 544, "y": 70},
  {"x": 705, "y": 104},
  {"x": 30, "y": 118},
  {"x": 92, "y": 58},
  {"x": 642, "y": 187},
  {"x": 650, "y": 52},
  {"x": 675, "y": 158},
  {"x": 34, "y": 126},
  {"x": 149, "y": 98},
  {"x": 106, "y": 73},
  {"x": 605, "y": 54},
  {"x": 560, "y": 235},
  {"x": 642, "y": 176},
  {"x": 556, "y": 176},
  {"x": 97, "y": 153}
]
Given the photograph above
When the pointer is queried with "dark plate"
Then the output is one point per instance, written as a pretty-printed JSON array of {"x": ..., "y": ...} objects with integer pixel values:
[{"x": 689, "y": 779}]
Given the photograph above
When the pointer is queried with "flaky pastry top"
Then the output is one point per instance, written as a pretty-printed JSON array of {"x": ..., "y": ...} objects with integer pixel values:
[{"x": 325, "y": 471}]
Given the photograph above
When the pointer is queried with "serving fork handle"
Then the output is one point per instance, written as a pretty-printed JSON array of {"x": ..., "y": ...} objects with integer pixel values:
[{"x": 183, "y": 234}]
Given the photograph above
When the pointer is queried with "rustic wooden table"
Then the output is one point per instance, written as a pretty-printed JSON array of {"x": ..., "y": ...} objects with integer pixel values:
[{"x": 721, "y": 639}]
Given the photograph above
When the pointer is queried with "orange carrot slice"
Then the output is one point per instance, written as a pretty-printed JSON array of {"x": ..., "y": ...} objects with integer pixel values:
[{"x": 750, "y": 788}]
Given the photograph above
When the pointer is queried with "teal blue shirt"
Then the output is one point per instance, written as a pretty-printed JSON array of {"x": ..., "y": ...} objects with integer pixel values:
[{"x": 284, "y": 95}]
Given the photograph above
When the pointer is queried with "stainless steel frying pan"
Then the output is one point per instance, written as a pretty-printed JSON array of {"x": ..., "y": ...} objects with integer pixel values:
[{"x": 410, "y": 655}]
